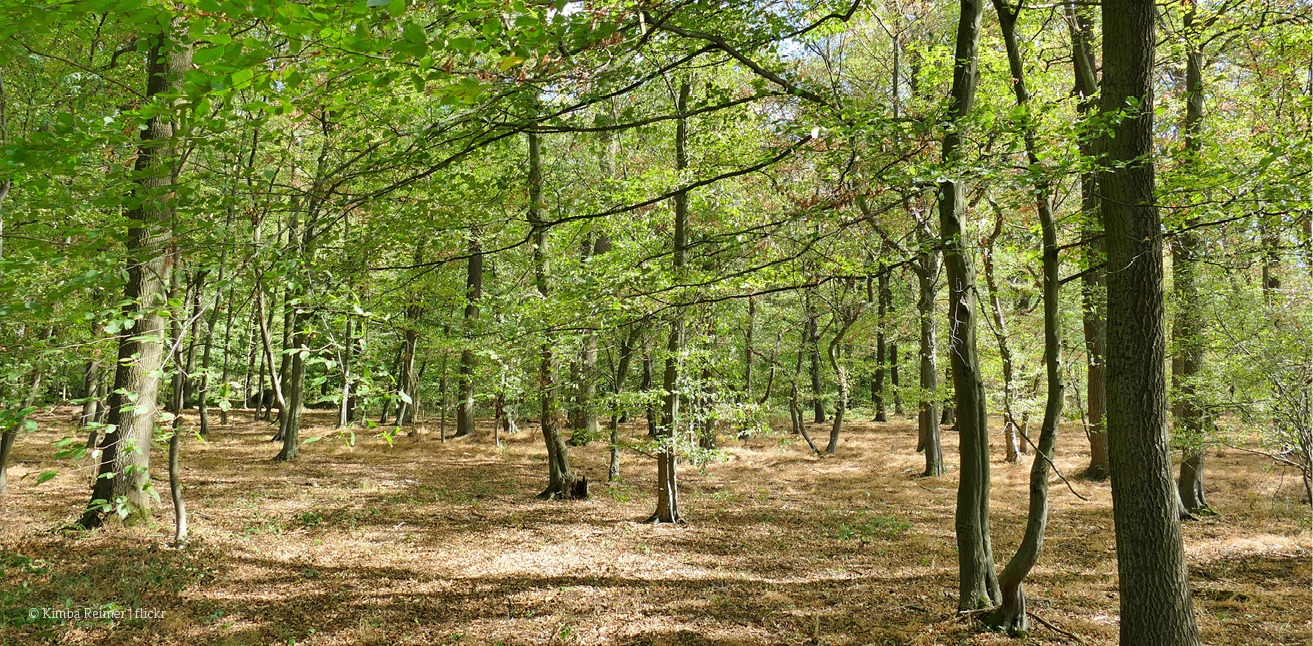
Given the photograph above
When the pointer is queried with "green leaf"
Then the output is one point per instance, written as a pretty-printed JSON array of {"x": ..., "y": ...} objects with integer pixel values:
[{"x": 46, "y": 475}]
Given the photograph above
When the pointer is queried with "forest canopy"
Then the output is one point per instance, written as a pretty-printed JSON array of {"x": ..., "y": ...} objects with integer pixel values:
[{"x": 648, "y": 230}]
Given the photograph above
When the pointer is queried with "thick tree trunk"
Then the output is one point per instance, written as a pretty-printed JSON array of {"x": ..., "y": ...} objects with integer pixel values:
[
  {"x": 468, "y": 360},
  {"x": 978, "y": 580},
  {"x": 1154, "y": 586},
  {"x": 123, "y": 477}
]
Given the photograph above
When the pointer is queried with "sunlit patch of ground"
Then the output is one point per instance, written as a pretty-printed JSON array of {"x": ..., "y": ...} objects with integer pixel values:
[{"x": 423, "y": 542}]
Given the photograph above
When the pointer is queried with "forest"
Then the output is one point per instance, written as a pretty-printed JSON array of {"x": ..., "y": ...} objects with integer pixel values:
[{"x": 670, "y": 322}]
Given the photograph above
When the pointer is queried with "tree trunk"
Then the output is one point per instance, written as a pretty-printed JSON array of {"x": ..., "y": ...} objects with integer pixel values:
[
  {"x": 893, "y": 371},
  {"x": 814, "y": 351},
  {"x": 585, "y": 405},
  {"x": 290, "y": 418},
  {"x": 979, "y": 585},
  {"x": 1192, "y": 424},
  {"x": 1093, "y": 281},
  {"x": 123, "y": 482},
  {"x": 468, "y": 360},
  {"x": 883, "y": 297},
  {"x": 10, "y": 435},
  {"x": 927, "y": 274},
  {"x": 1155, "y": 593},
  {"x": 194, "y": 322},
  {"x": 91, "y": 391},
  {"x": 344, "y": 409},
  {"x": 841, "y": 376},
  {"x": 621, "y": 373},
  {"x": 203, "y": 391},
  {"x": 795, "y": 414},
  {"x": 177, "y": 401},
  {"x": 747, "y": 348},
  {"x": 667, "y": 507},
  {"x": 1000, "y": 336},
  {"x": 1011, "y": 615},
  {"x": 560, "y": 475}
]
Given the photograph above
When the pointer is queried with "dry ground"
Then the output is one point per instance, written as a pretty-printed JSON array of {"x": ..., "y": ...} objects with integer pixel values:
[{"x": 430, "y": 543}]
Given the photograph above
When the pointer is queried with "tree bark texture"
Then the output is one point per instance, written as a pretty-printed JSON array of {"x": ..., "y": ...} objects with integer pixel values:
[
  {"x": 124, "y": 478},
  {"x": 1155, "y": 594}
]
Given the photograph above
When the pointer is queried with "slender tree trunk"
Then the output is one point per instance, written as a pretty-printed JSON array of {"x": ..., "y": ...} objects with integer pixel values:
[
  {"x": 409, "y": 386},
  {"x": 177, "y": 401},
  {"x": 621, "y": 373},
  {"x": 747, "y": 347},
  {"x": 193, "y": 338},
  {"x": 344, "y": 410},
  {"x": 883, "y": 297},
  {"x": 9, "y": 435},
  {"x": 203, "y": 403},
  {"x": 1011, "y": 615},
  {"x": 123, "y": 477},
  {"x": 1154, "y": 585},
  {"x": 667, "y": 507},
  {"x": 795, "y": 413},
  {"x": 927, "y": 275},
  {"x": 1001, "y": 337},
  {"x": 979, "y": 584},
  {"x": 586, "y": 383},
  {"x": 814, "y": 351},
  {"x": 1093, "y": 281},
  {"x": 893, "y": 372},
  {"x": 560, "y": 475},
  {"x": 442, "y": 399},
  {"x": 1192, "y": 425},
  {"x": 91, "y": 391},
  {"x": 841, "y": 376},
  {"x": 290, "y": 419}
]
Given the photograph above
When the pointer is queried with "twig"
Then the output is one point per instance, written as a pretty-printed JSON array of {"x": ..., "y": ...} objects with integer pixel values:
[
  {"x": 1054, "y": 628},
  {"x": 1039, "y": 453}
]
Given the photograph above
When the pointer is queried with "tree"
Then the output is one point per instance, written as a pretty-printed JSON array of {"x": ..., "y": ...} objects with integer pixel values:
[
  {"x": 978, "y": 580},
  {"x": 123, "y": 483},
  {"x": 1155, "y": 592}
]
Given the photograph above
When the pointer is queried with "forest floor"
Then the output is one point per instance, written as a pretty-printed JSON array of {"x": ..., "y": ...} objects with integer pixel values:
[{"x": 424, "y": 542}]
